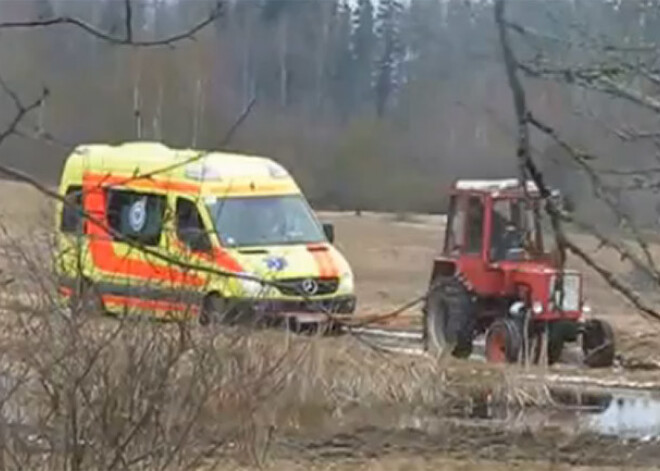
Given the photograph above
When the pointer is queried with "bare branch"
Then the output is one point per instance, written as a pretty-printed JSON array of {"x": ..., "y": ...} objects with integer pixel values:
[
  {"x": 22, "y": 111},
  {"x": 525, "y": 161},
  {"x": 606, "y": 84},
  {"x": 238, "y": 122},
  {"x": 600, "y": 190},
  {"x": 614, "y": 282},
  {"x": 126, "y": 40}
]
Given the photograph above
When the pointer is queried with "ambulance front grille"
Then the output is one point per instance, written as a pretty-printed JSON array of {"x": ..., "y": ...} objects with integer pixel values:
[{"x": 303, "y": 287}]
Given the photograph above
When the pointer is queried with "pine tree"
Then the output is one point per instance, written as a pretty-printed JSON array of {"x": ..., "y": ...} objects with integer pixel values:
[
  {"x": 390, "y": 52},
  {"x": 340, "y": 67},
  {"x": 363, "y": 44}
]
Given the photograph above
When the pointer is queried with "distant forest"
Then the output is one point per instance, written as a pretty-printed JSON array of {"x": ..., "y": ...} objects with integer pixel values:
[{"x": 372, "y": 104}]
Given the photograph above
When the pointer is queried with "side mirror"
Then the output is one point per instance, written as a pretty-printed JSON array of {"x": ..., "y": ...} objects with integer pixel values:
[{"x": 329, "y": 231}]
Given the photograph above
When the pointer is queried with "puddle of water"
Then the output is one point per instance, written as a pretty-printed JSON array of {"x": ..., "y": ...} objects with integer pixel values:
[
  {"x": 620, "y": 413},
  {"x": 629, "y": 415}
]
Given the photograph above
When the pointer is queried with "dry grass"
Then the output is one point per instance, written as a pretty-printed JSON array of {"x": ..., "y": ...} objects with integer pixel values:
[{"x": 99, "y": 393}]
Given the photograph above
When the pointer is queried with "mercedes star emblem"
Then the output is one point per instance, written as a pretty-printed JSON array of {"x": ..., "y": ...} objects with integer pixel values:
[{"x": 310, "y": 286}]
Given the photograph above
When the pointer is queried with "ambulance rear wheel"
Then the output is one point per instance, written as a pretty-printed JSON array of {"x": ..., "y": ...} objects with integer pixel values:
[
  {"x": 213, "y": 310},
  {"x": 86, "y": 299}
]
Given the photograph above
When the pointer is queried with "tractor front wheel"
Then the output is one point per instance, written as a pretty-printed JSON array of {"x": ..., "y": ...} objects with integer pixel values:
[
  {"x": 449, "y": 318},
  {"x": 503, "y": 341},
  {"x": 598, "y": 344}
]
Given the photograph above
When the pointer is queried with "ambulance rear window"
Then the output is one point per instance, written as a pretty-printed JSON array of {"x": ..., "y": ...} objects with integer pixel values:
[
  {"x": 72, "y": 211},
  {"x": 136, "y": 216}
]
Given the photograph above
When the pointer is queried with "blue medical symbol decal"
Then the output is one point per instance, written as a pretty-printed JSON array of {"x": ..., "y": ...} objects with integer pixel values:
[{"x": 276, "y": 263}]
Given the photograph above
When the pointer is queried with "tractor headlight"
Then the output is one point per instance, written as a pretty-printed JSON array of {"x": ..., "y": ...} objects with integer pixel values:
[
  {"x": 346, "y": 282},
  {"x": 537, "y": 307},
  {"x": 517, "y": 309}
]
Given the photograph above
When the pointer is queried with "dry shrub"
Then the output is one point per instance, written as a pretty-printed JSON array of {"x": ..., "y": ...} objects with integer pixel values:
[{"x": 82, "y": 391}]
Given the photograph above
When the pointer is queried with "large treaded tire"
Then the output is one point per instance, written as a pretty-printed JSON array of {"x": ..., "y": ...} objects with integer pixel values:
[
  {"x": 449, "y": 318},
  {"x": 598, "y": 344}
]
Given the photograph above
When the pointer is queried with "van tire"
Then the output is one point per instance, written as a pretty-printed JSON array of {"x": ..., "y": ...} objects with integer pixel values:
[
  {"x": 213, "y": 306},
  {"x": 86, "y": 299},
  {"x": 217, "y": 310}
]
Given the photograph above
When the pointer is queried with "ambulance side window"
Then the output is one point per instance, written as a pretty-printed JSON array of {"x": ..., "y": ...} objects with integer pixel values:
[
  {"x": 72, "y": 213},
  {"x": 136, "y": 216},
  {"x": 190, "y": 227}
]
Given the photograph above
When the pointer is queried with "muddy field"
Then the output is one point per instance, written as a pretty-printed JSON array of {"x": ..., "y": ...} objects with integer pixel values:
[{"x": 391, "y": 258}]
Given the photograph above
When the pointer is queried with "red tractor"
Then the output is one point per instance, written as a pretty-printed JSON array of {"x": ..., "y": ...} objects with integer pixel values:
[{"x": 495, "y": 277}]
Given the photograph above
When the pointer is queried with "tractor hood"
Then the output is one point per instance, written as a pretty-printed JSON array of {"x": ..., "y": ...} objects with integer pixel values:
[
  {"x": 543, "y": 283},
  {"x": 529, "y": 266}
]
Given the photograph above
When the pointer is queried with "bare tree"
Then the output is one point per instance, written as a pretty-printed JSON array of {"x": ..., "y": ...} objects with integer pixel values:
[{"x": 632, "y": 245}]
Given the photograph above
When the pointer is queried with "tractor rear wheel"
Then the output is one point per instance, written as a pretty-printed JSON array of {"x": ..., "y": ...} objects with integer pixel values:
[
  {"x": 598, "y": 344},
  {"x": 503, "y": 341},
  {"x": 449, "y": 318}
]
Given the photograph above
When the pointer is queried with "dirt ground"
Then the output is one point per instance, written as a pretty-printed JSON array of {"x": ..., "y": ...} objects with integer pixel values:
[{"x": 391, "y": 257}]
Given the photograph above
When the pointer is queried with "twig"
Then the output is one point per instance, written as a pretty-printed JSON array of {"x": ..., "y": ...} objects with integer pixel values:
[
  {"x": 22, "y": 111},
  {"x": 525, "y": 161},
  {"x": 525, "y": 117},
  {"x": 614, "y": 282},
  {"x": 126, "y": 40},
  {"x": 581, "y": 158}
]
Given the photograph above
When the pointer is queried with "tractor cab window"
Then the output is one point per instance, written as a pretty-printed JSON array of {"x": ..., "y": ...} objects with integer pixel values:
[
  {"x": 475, "y": 225},
  {"x": 455, "y": 226},
  {"x": 513, "y": 232}
]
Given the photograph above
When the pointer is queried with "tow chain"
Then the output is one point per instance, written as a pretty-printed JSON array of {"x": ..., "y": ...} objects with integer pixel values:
[{"x": 352, "y": 321}]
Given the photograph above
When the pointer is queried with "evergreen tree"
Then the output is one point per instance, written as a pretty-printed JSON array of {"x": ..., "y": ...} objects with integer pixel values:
[
  {"x": 390, "y": 52},
  {"x": 363, "y": 46},
  {"x": 339, "y": 66}
]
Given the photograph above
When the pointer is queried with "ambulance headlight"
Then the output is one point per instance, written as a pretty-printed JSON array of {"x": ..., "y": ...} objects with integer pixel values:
[
  {"x": 252, "y": 288},
  {"x": 346, "y": 282}
]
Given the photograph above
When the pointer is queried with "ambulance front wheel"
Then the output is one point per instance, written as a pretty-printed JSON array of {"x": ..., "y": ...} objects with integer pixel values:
[{"x": 217, "y": 310}]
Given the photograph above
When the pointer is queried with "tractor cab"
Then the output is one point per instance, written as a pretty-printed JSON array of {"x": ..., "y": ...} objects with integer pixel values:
[
  {"x": 495, "y": 221},
  {"x": 496, "y": 276}
]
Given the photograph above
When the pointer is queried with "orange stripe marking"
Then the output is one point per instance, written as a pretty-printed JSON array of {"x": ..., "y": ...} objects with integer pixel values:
[
  {"x": 148, "y": 304},
  {"x": 102, "y": 248}
]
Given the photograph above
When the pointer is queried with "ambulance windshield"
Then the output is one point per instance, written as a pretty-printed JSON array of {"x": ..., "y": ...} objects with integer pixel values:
[{"x": 259, "y": 221}]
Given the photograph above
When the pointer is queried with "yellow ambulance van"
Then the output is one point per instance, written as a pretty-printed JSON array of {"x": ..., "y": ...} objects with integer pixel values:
[{"x": 176, "y": 233}]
